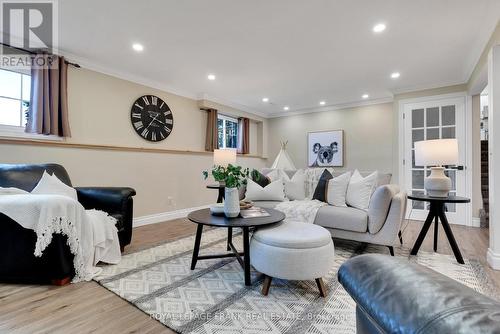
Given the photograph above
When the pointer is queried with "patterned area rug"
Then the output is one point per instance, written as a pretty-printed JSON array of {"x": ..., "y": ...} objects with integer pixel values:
[{"x": 213, "y": 299}]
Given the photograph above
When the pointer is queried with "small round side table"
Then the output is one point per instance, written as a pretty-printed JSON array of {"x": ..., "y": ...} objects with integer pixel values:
[
  {"x": 436, "y": 214},
  {"x": 221, "y": 188}
]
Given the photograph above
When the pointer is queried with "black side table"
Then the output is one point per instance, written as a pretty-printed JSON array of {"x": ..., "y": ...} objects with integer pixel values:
[
  {"x": 204, "y": 217},
  {"x": 220, "y": 197},
  {"x": 436, "y": 214}
]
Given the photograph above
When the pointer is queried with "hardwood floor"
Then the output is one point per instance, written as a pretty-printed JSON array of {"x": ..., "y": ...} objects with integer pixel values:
[
  {"x": 89, "y": 308},
  {"x": 84, "y": 307}
]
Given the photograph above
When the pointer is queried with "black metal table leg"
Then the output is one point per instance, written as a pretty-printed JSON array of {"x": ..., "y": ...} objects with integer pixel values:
[
  {"x": 423, "y": 232},
  {"x": 246, "y": 250},
  {"x": 451, "y": 238},
  {"x": 196, "y": 249},
  {"x": 437, "y": 211},
  {"x": 229, "y": 237},
  {"x": 220, "y": 198},
  {"x": 436, "y": 224}
]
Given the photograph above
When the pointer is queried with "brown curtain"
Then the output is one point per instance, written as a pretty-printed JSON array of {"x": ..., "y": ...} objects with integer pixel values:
[
  {"x": 211, "y": 141},
  {"x": 48, "y": 111},
  {"x": 243, "y": 135}
]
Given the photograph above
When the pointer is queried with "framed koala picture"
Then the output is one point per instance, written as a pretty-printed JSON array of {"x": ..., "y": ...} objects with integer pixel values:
[{"x": 325, "y": 148}]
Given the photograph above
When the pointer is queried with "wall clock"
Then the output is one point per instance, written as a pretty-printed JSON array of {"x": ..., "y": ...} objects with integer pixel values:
[{"x": 151, "y": 118}]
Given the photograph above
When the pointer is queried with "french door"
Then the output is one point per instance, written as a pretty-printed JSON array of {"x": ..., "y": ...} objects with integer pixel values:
[{"x": 435, "y": 119}]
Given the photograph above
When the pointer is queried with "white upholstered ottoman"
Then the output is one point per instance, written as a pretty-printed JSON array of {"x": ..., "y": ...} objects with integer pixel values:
[{"x": 292, "y": 251}]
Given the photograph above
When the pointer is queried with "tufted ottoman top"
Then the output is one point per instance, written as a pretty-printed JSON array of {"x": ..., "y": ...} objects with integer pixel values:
[{"x": 293, "y": 235}]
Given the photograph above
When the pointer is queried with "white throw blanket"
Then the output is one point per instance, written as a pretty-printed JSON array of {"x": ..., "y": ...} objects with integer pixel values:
[
  {"x": 300, "y": 211},
  {"x": 92, "y": 235}
]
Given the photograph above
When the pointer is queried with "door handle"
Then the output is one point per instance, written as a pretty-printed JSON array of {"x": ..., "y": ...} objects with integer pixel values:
[{"x": 459, "y": 167}]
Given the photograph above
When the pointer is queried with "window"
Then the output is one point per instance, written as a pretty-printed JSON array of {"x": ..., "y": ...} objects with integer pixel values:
[
  {"x": 227, "y": 132},
  {"x": 14, "y": 98}
]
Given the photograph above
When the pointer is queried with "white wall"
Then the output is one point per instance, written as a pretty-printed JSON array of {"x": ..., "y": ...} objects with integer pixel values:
[
  {"x": 99, "y": 112},
  {"x": 368, "y": 136},
  {"x": 493, "y": 255},
  {"x": 477, "y": 198}
]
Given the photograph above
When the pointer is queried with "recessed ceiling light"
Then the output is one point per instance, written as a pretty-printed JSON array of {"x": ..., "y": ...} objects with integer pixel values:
[
  {"x": 211, "y": 77},
  {"x": 395, "y": 75},
  {"x": 365, "y": 96},
  {"x": 286, "y": 108},
  {"x": 322, "y": 103},
  {"x": 379, "y": 27},
  {"x": 265, "y": 99},
  {"x": 138, "y": 47}
]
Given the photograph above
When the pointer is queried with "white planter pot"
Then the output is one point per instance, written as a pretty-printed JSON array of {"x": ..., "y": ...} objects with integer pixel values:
[{"x": 231, "y": 202}]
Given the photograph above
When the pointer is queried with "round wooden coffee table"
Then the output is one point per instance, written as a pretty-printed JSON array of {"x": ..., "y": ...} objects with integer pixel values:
[{"x": 204, "y": 217}]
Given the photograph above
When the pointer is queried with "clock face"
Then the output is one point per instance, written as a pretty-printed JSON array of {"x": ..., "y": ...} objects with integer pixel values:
[{"x": 151, "y": 118}]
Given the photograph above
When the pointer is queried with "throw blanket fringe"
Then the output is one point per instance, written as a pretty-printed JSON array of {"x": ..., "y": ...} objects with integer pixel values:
[{"x": 91, "y": 234}]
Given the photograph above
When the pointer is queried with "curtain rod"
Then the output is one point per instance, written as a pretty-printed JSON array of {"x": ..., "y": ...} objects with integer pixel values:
[{"x": 33, "y": 53}]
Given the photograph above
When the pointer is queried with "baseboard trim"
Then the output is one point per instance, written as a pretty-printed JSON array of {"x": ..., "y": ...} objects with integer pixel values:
[
  {"x": 493, "y": 259},
  {"x": 165, "y": 216},
  {"x": 476, "y": 222}
]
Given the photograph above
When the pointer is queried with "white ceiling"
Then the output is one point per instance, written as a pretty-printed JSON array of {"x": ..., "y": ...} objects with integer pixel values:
[{"x": 295, "y": 52}]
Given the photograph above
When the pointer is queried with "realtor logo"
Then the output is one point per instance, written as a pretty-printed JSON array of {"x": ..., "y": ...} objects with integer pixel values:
[{"x": 27, "y": 25}]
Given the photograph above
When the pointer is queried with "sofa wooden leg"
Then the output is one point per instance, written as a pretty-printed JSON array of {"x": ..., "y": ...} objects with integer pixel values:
[
  {"x": 391, "y": 250},
  {"x": 61, "y": 282},
  {"x": 122, "y": 249},
  {"x": 266, "y": 285},
  {"x": 321, "y": 287}
]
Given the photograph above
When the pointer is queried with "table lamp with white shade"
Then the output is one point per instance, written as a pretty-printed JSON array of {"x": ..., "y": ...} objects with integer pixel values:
[
  {"x": 224, "y": 157},
  {"x": 436, "y": 154}
]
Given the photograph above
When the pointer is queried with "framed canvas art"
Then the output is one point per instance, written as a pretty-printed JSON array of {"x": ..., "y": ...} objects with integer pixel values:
[{"x": 325, "y": 148}]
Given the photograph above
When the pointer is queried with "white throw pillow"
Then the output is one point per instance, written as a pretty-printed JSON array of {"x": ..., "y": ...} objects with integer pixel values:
[
  {"x": 51, "y": 185},
  {"x": 295, "y": 186},
  {"x": 337, "y": 189},
  {"x": 274, "y": 175},
  {"x": 274, "y": 191},
  {"x": 360, "y": 190}
]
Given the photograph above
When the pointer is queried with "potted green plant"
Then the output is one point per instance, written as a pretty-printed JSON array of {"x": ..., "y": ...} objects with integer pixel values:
[{"x": 232, "y": 177}]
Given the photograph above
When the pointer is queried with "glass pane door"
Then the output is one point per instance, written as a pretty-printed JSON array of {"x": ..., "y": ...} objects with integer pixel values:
[{"x": 441, "y": 119}]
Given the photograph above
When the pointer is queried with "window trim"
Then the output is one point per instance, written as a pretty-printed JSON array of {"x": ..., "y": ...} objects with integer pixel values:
[
  {"x": 14, "y": 131},
  {"x": 230, "y": 119},
  {"x": 20, "y": 99},
  {"x": 11, "y": 131}
]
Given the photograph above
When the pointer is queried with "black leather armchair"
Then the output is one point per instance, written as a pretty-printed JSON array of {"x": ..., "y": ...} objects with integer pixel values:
[
  {"x": 17, "y": 244},
  {"x": 396, "y": 296}
]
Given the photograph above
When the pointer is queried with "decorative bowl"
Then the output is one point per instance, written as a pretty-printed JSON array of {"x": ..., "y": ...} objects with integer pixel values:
[{"x": 217, "y": 209}]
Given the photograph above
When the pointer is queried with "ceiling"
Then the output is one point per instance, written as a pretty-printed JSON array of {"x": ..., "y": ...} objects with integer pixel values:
[{"x": 294, "y": 52}]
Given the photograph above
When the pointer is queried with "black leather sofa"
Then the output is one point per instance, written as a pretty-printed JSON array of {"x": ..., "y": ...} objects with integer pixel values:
[
  {"x": 396, "y": 296},
  {"x": 17, "y": 244}
]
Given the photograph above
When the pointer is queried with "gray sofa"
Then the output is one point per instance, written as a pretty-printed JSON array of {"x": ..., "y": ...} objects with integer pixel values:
[{"x": 380, "y": 224}]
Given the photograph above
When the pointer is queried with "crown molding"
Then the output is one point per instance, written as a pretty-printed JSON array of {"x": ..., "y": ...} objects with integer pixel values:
[
  {"x": 478, "y": 56},
  {"x": 231, "y": 104},
  {"x": 417, "y": 88},
  {"x": 124, "y": 75},
  {"x": 97, "y": 67},
  {"x": 332, "y": 107}
]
